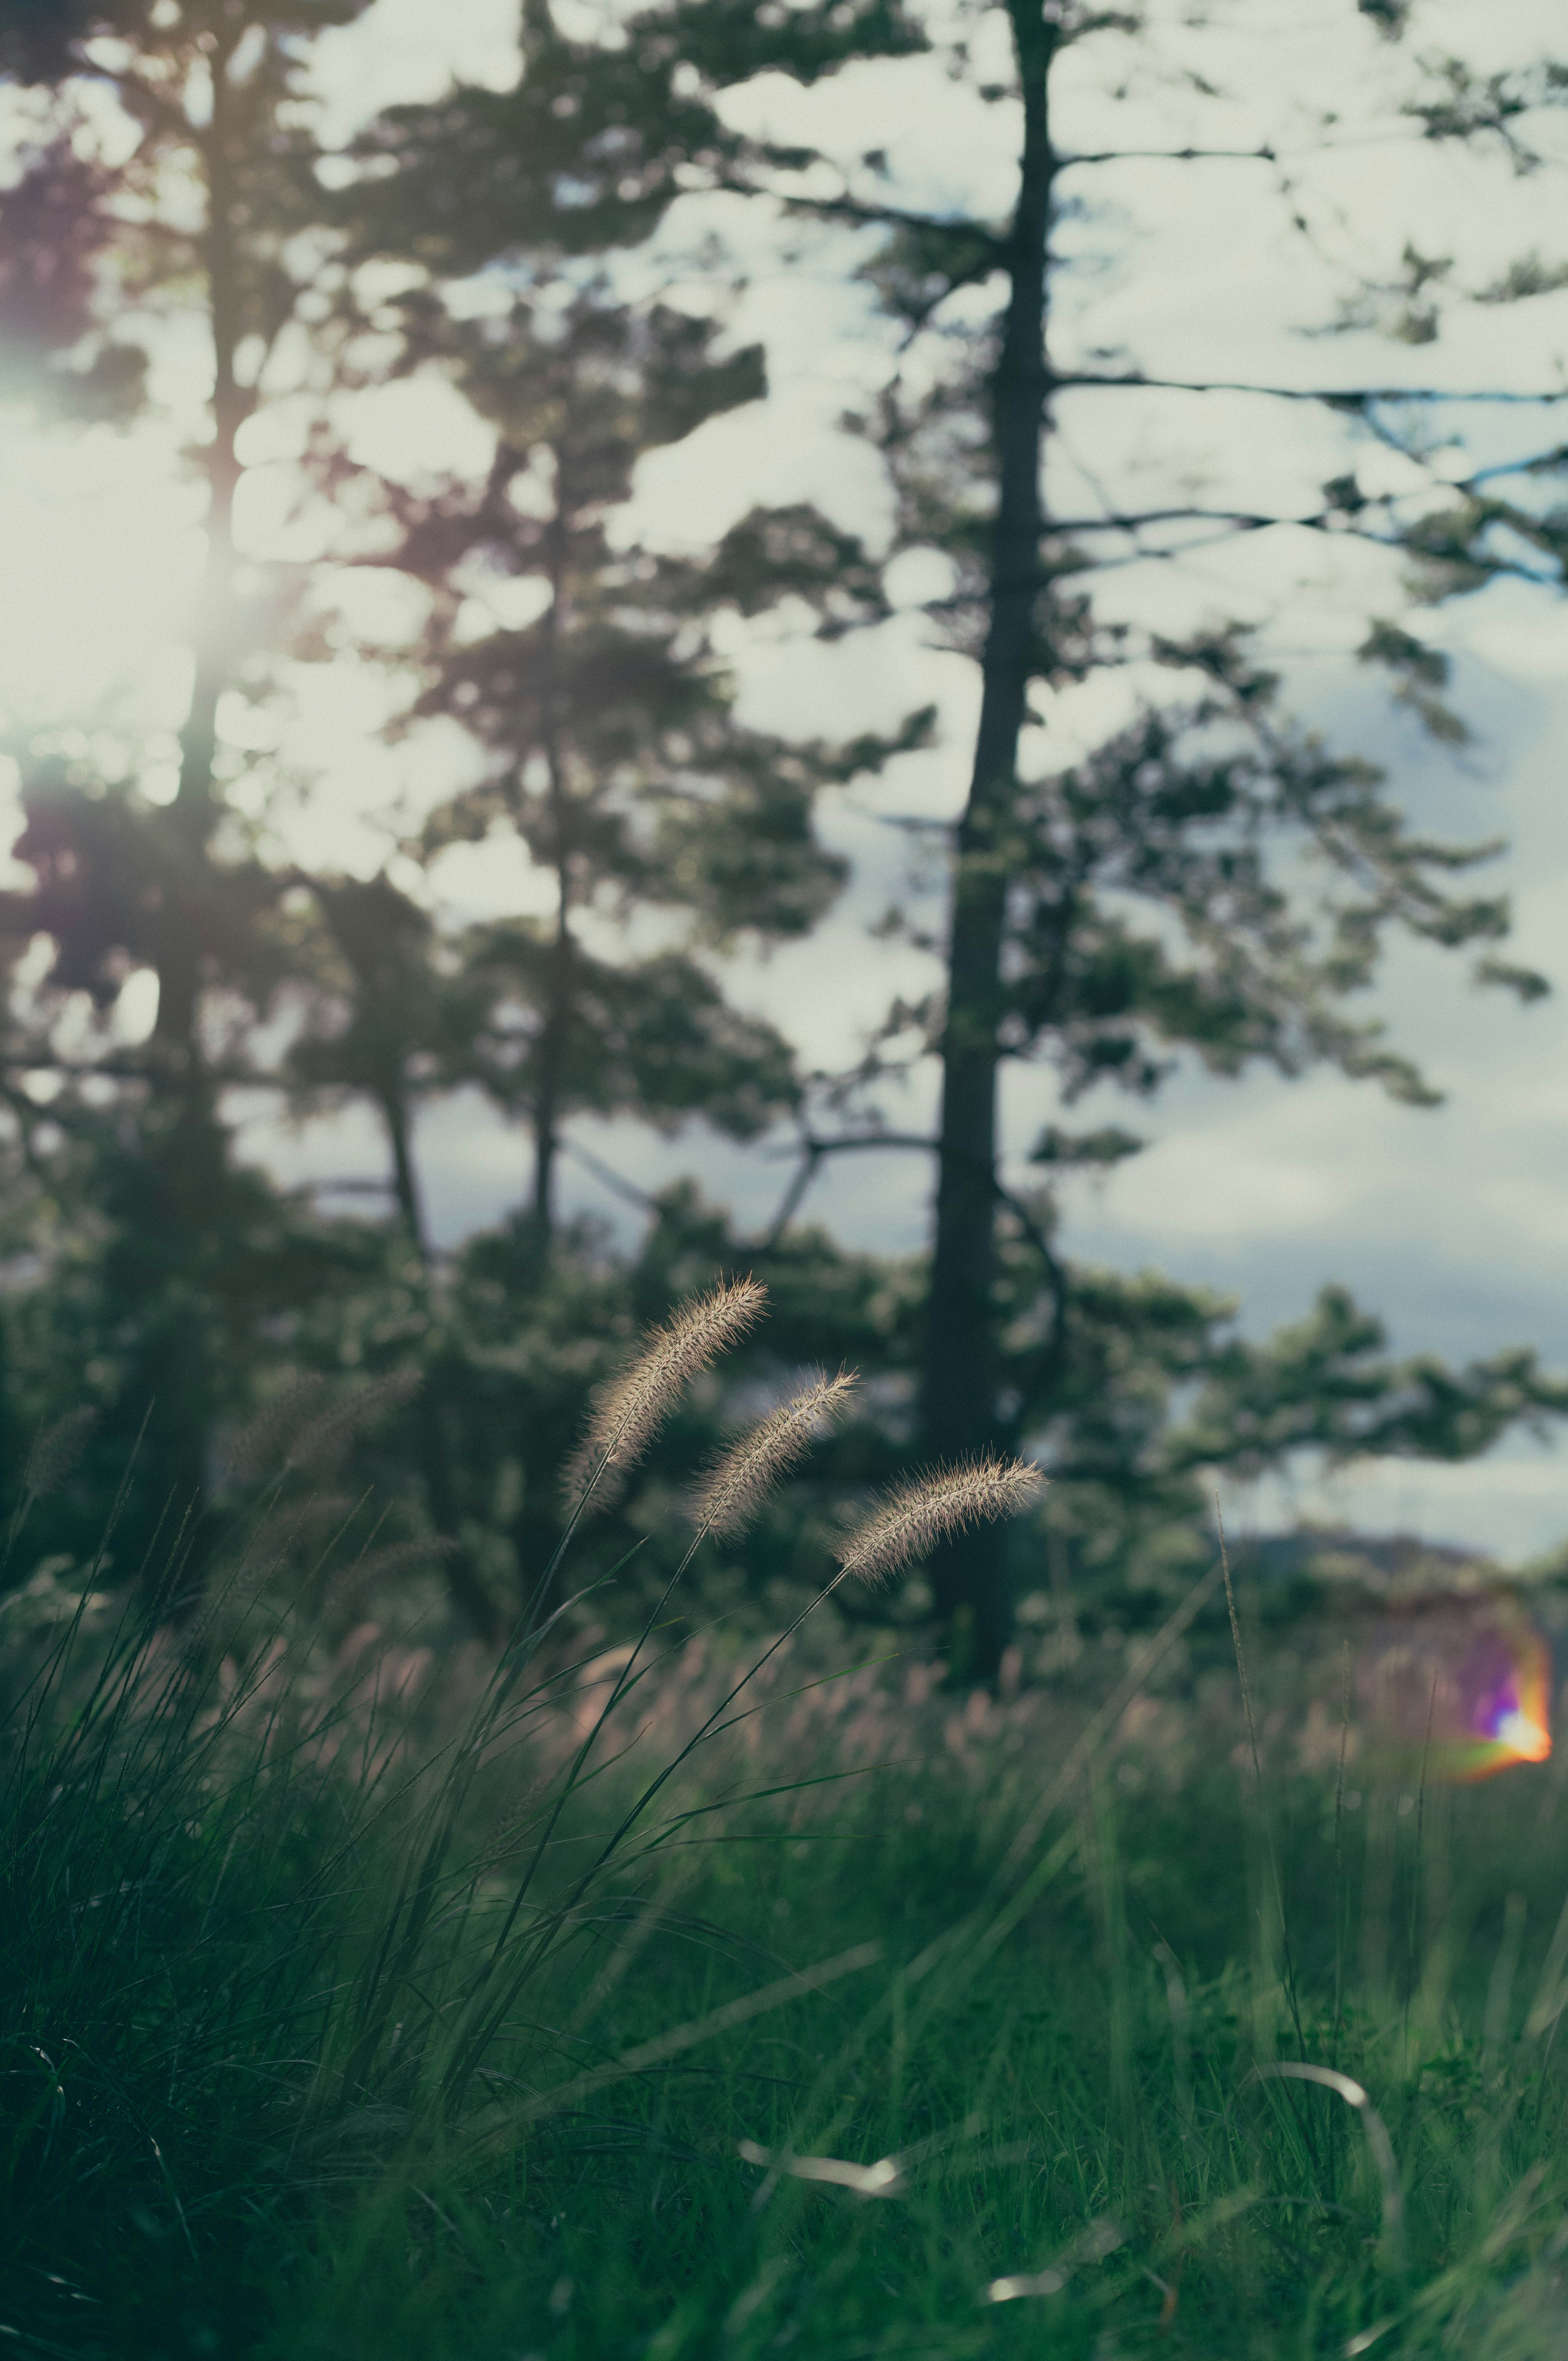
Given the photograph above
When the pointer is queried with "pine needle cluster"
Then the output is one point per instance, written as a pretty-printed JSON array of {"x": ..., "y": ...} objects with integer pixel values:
[
  {"x": 912, "y": 1520},
  {"x": 736, "y": 1485},
  {"x": 629, "y": 1410}
]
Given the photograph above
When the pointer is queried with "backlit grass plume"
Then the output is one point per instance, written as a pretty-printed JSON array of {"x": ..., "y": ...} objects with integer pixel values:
[
  {"x": 630, "y": 1408},
  {"x": 736, "y": 1485},
  {"x": 912, "y": 1521}
]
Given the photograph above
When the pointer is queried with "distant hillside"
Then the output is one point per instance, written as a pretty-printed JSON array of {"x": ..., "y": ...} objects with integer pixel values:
[{"x": 1377, "y": 1560}]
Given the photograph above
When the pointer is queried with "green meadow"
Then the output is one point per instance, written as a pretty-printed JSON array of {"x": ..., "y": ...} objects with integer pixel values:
[{"x": 718, "y": 1994}]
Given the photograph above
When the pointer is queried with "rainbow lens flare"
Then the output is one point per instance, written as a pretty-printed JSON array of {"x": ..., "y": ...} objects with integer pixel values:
[
  {"x": 1463, "y": 1687},
  {"x": 1504, "y": 1684}
]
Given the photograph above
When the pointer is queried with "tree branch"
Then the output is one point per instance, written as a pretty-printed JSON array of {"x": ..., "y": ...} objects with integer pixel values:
[
  {"x": 1351, "y": 397},
  {"x": 1264, "y": 154},
  {"x": 875, "y": 217},
  {"x": 814, "y": 1150},
  {"x": 1494, "y": 569},
  {"x": 609, "y": 1179}
]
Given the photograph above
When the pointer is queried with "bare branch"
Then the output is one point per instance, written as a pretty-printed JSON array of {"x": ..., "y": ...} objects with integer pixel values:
[
  {"x": 812, "y": 1152},
  {"x": 1264, "y": 154},
  {"x": 1331, "y": 522},
  {"x": 611, "y": 1180},
  {"x": 878, "y": 217},
  {"x": 1344, "y": 397}
]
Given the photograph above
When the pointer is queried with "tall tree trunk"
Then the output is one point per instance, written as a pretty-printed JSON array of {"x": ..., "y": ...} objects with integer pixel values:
[
  {"x": 970, "y": 1574},
  {"x": 405, "y": 1181},
  {"x": 181, "y": 1136},
  {"x": 536, "y": 1529},
  {"x": 231, "y": 406},
  {"x": 468, "y": 1595},
  {"x": 551, "y": 1063},
  {"x": 548, "y": 1101}
]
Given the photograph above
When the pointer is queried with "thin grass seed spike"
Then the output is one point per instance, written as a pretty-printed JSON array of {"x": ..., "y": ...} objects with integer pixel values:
[
  {"x": 913, "y": 1518},
  {"x": 57, "y": 1451},
  {"x": 263, "y": 1447},
  {"x": 629, "y": 1410},
  {"x": 736, "y": 1485}
]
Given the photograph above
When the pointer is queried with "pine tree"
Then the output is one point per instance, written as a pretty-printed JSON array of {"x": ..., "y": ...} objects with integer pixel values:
[
  {"x": 605, "y": 740},
  {"x": 215, "y": 92},
  {"x": 608, "y": 743},
  {"x": 1108, "y": 916},
  {"x": 215, "y": 213},
  {"x": 1145, "y": 903}
]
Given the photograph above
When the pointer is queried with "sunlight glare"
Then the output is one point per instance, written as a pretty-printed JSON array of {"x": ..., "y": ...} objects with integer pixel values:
[{"x": 99, "y": 564}]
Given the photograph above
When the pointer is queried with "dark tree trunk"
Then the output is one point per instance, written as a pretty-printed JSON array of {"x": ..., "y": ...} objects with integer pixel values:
[
  {"x": 405, "y": 1181},
  {"x": 182, "y": 1137},
  {"x": 468, "y": 1595},
  {"x": 231, "y": 407},
  {"x": 536, "y": 1529},
  {"x": 549, "y": 1093},
  {"x": 971, "y": 1577}
]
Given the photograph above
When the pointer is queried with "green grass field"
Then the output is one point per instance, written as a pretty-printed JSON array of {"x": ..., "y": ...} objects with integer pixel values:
[{"x": 350, "y": 2010}]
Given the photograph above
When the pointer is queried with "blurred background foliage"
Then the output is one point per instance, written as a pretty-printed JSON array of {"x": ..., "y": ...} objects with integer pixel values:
[{"x": 487, "y": 238}]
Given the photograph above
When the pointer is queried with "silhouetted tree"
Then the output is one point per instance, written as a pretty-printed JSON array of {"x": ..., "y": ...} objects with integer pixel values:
[
  {"x": 212, "y": 96},
  {"x": 611, "y": 750},
  {"x": 1109, "y": 914}
]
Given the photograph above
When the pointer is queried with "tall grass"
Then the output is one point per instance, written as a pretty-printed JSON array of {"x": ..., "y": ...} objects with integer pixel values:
[{"x": 366, "y": 1999}]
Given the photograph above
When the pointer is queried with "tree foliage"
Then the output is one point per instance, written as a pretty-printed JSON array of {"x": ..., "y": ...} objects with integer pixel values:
[{"x": 1205, "y": 879}]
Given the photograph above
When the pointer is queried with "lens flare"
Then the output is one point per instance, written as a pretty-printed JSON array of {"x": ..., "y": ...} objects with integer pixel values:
[
  {"x": 1504, "y": 1686},
  {"x": 1462, "y": 1688}
]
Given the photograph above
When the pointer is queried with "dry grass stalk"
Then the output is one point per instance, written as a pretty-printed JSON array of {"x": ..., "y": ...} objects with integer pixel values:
[
  {"x": 912, "y": 1520},
  {"x": 629, "y": 1411},
  {"x": 735, "y": 1488}
]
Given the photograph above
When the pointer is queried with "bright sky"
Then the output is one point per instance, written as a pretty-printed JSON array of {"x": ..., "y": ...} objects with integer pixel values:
[{"x": 1451, "y": 1223}]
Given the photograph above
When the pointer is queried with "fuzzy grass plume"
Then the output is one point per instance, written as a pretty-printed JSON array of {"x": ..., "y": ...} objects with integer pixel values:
[
  {"x": 629, "y": 1410},
  {"x": 54, "y": 1453},
  {"x": 57, "y": 1451},
  {"x": 736, "y": 1485},
  {"x": 912, "y": 1521}
]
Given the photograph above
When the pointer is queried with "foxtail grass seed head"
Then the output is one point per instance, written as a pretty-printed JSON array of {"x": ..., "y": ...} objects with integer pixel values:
[
  {"x": 57, "y": 1451},
  {"x": 736, "y": 1485},
  {"x": 912, "y": 1520},
  {"x": 261, "y": 1449},
  {"x": 629, "y": 1411}
]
